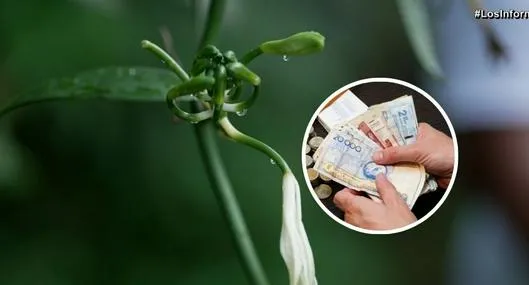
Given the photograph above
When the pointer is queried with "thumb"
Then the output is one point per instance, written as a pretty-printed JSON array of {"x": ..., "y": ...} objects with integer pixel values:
[
  {"x": 405, "y": 153},
  {"x": 386, "y": 190}
]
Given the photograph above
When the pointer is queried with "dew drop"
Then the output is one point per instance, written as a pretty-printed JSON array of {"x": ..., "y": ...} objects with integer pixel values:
[
  {"x": 193, "y": 122},
  {"x": 132, "y": 71},
  {"x": 242, "y": 112},
  {"x": 272, "y": 161},
  {"x": 285, "y": 58}
]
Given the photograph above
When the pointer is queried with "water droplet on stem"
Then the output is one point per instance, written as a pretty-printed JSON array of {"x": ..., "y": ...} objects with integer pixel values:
[
  {"x": 285, "y": 58},
  {"x": 272, "y": 161}
]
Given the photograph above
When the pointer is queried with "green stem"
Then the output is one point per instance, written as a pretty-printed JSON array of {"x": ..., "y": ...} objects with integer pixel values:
[
  {"x": 239, "y": 137},
  {"x": 220, "y": 88},
  {"x": 206, "y": 136},
  {"x": 222, "y": 187},
  {"x": 251, "y": 55},
  {"x": 165, "y": 58},
  {"x": 213, "y": 22}
]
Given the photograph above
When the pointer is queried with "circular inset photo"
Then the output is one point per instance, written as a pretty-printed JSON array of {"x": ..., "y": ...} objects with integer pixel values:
[{"x": 380, "y": 156}]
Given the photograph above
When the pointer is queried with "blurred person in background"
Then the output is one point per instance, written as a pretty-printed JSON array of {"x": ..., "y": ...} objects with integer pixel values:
[{"x": 485, "y": 93}]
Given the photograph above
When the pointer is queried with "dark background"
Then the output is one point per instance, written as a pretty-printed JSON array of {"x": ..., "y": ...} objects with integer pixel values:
[{"x": 378, "y": 92}]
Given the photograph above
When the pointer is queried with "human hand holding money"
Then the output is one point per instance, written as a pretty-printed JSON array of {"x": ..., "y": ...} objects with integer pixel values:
[
  {"x": 346, "y": 154},
  {"x": 384, "y": 158},
  {"x": 388, "y": 213},
  {"x": 433, "y": 149}
]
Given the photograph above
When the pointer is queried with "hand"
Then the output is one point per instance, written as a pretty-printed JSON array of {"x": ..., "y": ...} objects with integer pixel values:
[
  {"x": 433, "y": 149},
  {"x": 389, "y": 213}
]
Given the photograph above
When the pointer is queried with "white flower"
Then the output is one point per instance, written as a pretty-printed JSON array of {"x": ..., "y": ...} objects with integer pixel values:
[{"x": 294, "y": 243}]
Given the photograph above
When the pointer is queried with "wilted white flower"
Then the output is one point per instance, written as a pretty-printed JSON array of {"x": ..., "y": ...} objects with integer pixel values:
[{"x": 294, "y": 243}]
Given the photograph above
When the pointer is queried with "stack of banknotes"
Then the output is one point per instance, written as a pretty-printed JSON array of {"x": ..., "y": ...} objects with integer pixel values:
[{"x": 345, "y": 155}]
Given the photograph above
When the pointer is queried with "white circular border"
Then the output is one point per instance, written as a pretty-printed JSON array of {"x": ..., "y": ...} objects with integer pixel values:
[{"x": 452, "y": 132}]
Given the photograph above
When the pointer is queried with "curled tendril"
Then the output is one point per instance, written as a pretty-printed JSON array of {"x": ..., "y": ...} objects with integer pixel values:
[
  {"x": 195, "y": 85},
  {"x": 217, "y": 78},
  {"x": 234, "y": 93},
  {"x": 243, "y": 105}
]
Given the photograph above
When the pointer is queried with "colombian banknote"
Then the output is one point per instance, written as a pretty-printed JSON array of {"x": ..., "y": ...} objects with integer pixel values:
[
  {"x": 400, "y": 117},
  {"x": 374, "y": 125},
  {"x": 346, "y": 156}
]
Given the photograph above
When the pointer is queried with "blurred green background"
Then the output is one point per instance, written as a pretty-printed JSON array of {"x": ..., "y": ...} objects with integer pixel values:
[{"x": 100, "y": 192}]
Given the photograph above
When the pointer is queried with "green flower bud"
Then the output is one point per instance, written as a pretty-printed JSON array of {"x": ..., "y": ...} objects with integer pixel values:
[
  {"x": 298, "y": 44},
  {"x": 209, "y": 51},
  {"x": 230, "y": 56},
  {"x": 241, "y": 72},
  {"x": 199, "y": 65}
]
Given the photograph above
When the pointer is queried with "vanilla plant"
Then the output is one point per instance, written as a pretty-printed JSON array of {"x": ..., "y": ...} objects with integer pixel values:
[{"x": 215, "y": 83}]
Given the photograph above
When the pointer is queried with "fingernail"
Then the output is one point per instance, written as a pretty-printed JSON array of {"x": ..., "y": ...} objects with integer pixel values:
[{"x": 377, "y": 156}]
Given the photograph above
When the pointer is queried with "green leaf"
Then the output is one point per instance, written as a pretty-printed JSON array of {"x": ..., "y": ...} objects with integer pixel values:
[
  {"x": 112, "y": 83},
  {"x": 416, "y": 23}
]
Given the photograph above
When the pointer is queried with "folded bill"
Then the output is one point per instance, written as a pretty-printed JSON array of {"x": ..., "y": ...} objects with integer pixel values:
[
  {"x": 401, "y": 118},
  {"x": 346, "y": 156},
  {"x": 374, "y": 125}
]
